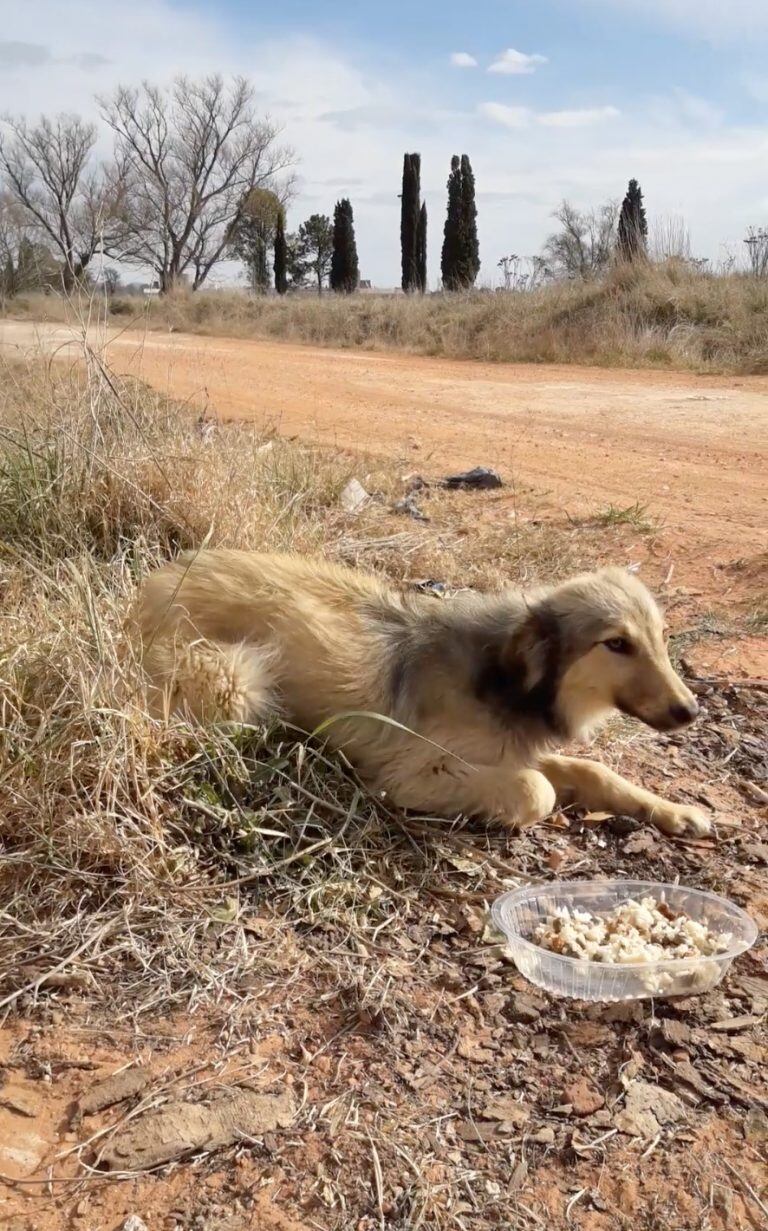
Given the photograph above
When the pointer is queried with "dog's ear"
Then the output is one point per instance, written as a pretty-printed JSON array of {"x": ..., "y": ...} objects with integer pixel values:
[{"x": 521, "y": 669}]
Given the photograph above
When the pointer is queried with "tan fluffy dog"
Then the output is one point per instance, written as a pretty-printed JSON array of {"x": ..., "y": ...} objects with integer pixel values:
[{"x": 488, "y": 687}]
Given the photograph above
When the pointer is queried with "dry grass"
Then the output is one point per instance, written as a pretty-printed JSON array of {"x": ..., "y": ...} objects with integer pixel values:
[
  {"x": 123, "y": 839},
  {"x": 656, "y": 315}
]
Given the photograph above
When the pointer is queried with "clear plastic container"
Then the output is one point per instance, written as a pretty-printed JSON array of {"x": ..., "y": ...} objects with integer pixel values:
[{"x": 519, "y": 913}]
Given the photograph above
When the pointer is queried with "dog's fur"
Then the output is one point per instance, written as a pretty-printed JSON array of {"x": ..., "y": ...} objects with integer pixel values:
[{"x": 488, "y": 687}]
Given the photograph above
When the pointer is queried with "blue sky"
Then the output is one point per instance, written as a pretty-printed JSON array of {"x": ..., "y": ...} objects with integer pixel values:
[{"x": 550, "y": 98}]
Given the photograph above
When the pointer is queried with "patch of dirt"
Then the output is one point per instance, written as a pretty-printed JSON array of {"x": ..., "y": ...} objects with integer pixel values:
[{"x": 691, "y": 449}]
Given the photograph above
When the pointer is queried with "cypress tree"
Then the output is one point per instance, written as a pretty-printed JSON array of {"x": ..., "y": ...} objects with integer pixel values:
[
  {"x": 345, "y": 273},
  {"x": 632, "y": 236},
  {"x": 470, "y": 249},
  {"x": 461, "y": 253},
  {"x": 421, "y": 248},
  {"x": 281, "y": 255},
  {"x": 449, "y": 261},
  {"x": 409, "y": 221}
]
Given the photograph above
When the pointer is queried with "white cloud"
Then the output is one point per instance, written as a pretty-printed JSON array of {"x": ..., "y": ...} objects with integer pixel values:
[
  {"x": 516, "y": 63},
  {"x": 711, "y": 19},
  {"x": 521, "y": 117},
  {"x": 580, "y": 118},
  {"x": 696, "y": 109},
  {"x": 462, "y": 59},
  {"x": 509, "y": 117}
]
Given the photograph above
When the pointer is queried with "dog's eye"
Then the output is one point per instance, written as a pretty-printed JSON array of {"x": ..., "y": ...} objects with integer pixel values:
[{"x": 619, "y": 645}]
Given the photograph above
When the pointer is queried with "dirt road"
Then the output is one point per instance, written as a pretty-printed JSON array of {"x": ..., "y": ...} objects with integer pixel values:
[{"x": 693, "y": 449}]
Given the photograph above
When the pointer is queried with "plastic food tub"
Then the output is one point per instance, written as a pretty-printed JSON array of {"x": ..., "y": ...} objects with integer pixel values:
[{"x": 519, "y": 913}]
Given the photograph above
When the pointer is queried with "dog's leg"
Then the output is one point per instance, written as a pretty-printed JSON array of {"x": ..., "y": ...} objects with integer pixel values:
[
  {"x": 600, "y": 789},
  {"x": 513, "y": 797}
]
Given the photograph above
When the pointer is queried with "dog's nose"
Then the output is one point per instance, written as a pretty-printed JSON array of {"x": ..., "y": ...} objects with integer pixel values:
[{"x": 683, "y": 712}]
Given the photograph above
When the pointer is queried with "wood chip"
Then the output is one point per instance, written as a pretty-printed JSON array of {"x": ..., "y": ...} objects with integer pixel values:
[{"x": 731, "y": 1025}]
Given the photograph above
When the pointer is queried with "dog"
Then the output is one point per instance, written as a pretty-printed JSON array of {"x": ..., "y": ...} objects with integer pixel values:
[{"x": 452, "y": 707}]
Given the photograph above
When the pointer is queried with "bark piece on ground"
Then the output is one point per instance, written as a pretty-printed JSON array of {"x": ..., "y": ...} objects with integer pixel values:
[
  {"x": 181, "y": 1128},
  {"x": 114, "y": 1089}
]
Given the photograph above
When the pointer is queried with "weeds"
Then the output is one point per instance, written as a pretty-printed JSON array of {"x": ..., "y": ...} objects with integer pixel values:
[
  {"x": 635, "y": 515},
  {"x": 644, "y": 315}
]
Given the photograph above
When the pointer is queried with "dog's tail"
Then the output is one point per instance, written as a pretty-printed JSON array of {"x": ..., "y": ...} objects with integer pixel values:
[{"x": 211, "y": 681}]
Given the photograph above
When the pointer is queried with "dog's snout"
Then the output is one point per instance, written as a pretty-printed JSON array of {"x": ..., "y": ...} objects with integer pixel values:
[{"x": 683, "y": 712}]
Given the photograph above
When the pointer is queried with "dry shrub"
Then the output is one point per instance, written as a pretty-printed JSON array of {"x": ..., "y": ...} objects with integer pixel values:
[{"x": 647, "y": 314}]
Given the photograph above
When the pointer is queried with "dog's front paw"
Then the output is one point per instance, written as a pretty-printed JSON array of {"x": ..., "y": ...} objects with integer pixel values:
[{"x": 681, "y": 821}]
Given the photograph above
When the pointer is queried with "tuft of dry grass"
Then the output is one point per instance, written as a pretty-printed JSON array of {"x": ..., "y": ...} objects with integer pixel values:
[{"x": 663, "y": 314}]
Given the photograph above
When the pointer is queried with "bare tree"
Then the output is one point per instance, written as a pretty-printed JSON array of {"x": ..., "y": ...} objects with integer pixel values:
[
  {"x": 757, "y": 248},
  {"x": 68, "y": 204},
  {"x": 584, "y": 245},
  {"x": 191, "y": 155}
]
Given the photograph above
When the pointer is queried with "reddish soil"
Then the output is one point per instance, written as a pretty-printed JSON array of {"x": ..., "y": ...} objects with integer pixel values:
[{"x": 693, "y": 450}]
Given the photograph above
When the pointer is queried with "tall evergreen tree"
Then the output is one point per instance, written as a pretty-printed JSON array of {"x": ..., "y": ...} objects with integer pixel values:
[
  {"x": 410, "y": 202},
  {"x": 421, "y": 248},
  {"x": 461, "y": 254},
  {"x": 470, "y": 248},
  {"x": 632, "y": 235},
  {"x": 449, "y": 261},
  {"x": 345, "y": 273},
  {"x": 281, "y": 255}
]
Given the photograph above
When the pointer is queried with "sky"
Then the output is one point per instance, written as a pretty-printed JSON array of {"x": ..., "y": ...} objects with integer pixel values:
[{"x": 551, "y": 99}]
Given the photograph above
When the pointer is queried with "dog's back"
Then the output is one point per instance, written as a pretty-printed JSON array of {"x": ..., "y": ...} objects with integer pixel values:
[{"x": 233, "y": 635}]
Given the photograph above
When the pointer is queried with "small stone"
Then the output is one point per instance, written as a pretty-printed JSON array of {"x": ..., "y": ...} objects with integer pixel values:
[
  {"x": 646, "y": 1109},
  {"x": 134, "y": 1223},
  {"x": 544, "y": 1137},
  {"x": 584, "y": 1098},
  {"x": 524, "y": 1009}
]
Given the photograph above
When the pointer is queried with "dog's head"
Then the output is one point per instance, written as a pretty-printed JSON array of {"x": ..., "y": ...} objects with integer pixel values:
[{"x": 613, "y": 654}]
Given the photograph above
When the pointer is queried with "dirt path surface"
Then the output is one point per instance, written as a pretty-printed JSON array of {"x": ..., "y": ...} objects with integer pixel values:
[{"x": 693, "y": 449}]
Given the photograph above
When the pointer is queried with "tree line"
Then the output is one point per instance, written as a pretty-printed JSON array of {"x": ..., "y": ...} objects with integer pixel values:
[{"x": 197, "y": 176}]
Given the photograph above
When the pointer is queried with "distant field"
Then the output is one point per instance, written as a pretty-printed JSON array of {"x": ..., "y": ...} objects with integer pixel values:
[{"x": 663, "y": 315}]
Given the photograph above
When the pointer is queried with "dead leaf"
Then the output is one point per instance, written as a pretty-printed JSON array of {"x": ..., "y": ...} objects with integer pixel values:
[
  {"x": 646, "y": 1109},
  {"x": 592, "y": 819}
]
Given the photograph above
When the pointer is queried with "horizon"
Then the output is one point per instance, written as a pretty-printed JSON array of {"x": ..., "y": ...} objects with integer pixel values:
[{"x": 567, "y": 102}]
